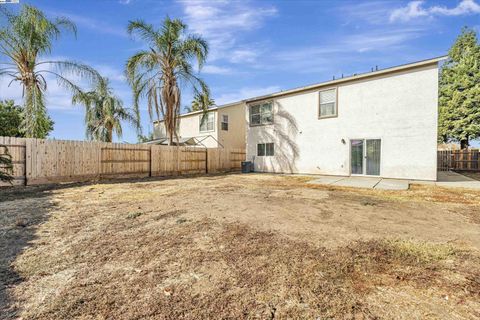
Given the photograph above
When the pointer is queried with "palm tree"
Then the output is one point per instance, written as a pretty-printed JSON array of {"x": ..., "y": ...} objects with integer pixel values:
[
  {"x": 159, "y": 72},
  {"x": 27, "y": 36},
  {"x": 104, "y": 112},
  {"x": 202, "y": 101}
]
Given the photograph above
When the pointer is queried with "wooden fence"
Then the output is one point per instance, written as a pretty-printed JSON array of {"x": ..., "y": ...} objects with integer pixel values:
[
  {"x": 39, "y": 161},
  {"x": 458, "y": 160}
]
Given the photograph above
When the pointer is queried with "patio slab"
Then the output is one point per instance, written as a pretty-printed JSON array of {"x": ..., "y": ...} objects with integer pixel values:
[
  {"x": 392, "y": 184},
  {"x": 450, "y": 179},
  {"x": 327, "y": 179},
  {"x": 357, "y": 182}
]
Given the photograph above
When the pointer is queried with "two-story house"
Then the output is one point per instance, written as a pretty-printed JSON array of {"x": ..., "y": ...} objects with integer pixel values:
[
  {"x": 381, "y": 123},
  {"x": 221, "y": 126}
]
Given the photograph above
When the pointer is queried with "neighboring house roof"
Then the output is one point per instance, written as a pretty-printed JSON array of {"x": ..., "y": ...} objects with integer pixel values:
[
  {"x": 211, "y": 109},
  {"x": 403, "y": 67},
  {"x": 181, "y": 141}
]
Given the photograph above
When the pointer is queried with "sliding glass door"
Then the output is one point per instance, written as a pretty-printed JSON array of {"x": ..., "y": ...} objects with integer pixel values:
[{"x": 365, "y": 156}]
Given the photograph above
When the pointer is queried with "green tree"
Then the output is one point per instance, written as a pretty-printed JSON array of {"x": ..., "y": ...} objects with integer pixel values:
[
  {"x": 25, "y": 37},
  {"x": 104, "y": 112},
  {"x": 459, "y": 113},
  {"x": 12, "y": 117},
  {"x": 6, "y": 166},
  {"x": 159, "y": 73}
]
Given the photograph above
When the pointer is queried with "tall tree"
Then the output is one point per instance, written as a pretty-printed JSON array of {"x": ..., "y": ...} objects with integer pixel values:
[
  {"x": 459, "y": 113},
  {"x": 158, "y": 74},
  {"x": 12, "y": 117},
  {"x": 26, "y": 37},
  {"x": 104, "y": 112}
]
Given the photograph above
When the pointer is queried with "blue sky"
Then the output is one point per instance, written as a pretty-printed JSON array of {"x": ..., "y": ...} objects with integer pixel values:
[{"x": 256, "y": 47}]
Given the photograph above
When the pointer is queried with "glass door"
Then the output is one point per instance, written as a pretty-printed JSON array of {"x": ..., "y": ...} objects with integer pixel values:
[
  {"x": 365, "y": 156},
  {"x": 356, "y": 151},
  {"x": 373, "y": 157}
]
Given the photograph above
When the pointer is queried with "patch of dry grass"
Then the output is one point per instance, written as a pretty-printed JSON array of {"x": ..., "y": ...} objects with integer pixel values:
[
  {"x": 167, "y": 255},
  {"x": 204, "y": 269}
]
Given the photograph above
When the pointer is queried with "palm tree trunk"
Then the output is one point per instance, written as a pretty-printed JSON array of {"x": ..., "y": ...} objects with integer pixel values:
[{"x": 109, "y": 134}]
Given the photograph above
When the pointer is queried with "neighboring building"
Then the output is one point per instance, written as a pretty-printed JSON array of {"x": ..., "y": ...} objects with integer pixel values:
[
  {"x": 221, "y": 126},
  {"x": 382, "y": 123}
]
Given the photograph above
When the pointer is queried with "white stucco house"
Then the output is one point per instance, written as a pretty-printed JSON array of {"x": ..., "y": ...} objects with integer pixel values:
[
  {"x": 221, "y": 126},
  {"x": 382, "y": 123}
]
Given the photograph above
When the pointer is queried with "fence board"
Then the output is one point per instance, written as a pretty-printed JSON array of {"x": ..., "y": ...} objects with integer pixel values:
[
  {"x": 38, "y": 161},
  {"x": 459, "y": 160},
  {"x": 16, "y": 148}
]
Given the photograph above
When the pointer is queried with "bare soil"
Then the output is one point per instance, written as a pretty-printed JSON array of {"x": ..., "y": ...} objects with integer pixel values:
[{"x": 251, "y": 246}]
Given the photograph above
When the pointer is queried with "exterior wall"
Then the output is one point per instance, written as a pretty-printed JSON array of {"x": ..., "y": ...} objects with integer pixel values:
[
  {"x": 400, "y": 108},
  {"x": 235, "y": 137},
  {"x": 189, "y": 126}
]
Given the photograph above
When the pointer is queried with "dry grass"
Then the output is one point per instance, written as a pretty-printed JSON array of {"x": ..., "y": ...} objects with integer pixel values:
[{"x": 237, "y": 247}]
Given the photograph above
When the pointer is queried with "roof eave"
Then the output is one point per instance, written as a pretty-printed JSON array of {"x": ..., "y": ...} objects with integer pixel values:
[{"x": 408, "y": 66}]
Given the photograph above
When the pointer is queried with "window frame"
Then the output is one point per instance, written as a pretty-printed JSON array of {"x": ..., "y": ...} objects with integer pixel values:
[
  {"x": 260, "y": 103},
  {"x": 224, "y": 116},
  {"x": 264, "y": 144},
  {"x": 200, "y": 122},
  {"x": 320, "y": 104}
]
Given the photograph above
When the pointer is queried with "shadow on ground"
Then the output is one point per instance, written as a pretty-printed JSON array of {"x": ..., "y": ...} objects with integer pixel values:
[{"x": 16, "y": 234}]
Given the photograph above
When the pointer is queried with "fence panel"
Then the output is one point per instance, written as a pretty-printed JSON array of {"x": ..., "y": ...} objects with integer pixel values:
[
  {"x": 125, "y": 160},
  {"x": 61, "y": 161},
  {"x": 38, "y": 161},
  {"x": 460, "y": 160},
  {"x": 16, "y": 149},
  {"x": 225, "y": 159}
]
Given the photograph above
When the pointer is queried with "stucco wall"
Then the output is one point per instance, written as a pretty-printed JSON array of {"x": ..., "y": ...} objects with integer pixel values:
[
  {"x": 235, "y": 137},
  {"x": 399, "y": 108}
]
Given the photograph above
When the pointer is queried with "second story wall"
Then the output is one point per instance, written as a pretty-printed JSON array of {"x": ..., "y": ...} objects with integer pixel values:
[{"x": 235, "y": 136}]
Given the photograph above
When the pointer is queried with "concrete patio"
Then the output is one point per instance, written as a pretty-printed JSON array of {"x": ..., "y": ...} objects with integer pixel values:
[
  {"x": 446, "y": 179},
  {"x": 363, "y": 182}
]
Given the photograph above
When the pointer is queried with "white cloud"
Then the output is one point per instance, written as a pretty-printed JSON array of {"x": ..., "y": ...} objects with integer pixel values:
[
  {"x": 464, "y": 7},
  {"x": 213, "y": 69},
  {"x": 415, "y": 9},
  {"x": 245, "y": 93},
  {"x": 223, "y": 23},
  {"x": 243, "y": 55}
]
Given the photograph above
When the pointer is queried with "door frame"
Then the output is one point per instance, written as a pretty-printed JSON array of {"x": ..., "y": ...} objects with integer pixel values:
[{"x": 364, "y": 163}]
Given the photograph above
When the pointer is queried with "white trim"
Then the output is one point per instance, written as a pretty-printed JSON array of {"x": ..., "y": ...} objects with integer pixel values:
[{"x": 364, "y": 162}]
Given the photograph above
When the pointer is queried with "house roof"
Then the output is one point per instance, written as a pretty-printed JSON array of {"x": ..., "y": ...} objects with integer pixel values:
[{"x": 354, "y": 77}]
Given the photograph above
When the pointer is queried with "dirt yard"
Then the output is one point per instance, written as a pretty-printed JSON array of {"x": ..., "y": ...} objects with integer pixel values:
[{"x": 238, "y": 247}]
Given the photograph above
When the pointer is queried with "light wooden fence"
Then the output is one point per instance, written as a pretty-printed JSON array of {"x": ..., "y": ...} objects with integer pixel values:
[
  {"x": 17, "y": 149},
  {"x": 458, "y": 160},
  {"x": 39, "y": 161}
]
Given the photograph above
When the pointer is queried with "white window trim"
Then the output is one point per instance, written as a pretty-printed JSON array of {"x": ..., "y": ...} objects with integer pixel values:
[
  {"x": 336, "y": 104},
  {"x": 258, "y": 104},
  {"x": 265, "y": 150},
  {"x": 200, "y": 123}
]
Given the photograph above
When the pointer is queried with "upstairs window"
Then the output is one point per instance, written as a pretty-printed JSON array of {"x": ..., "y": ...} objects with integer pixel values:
[
  {"x": 224, "y": 122},
  {"x": 207, "y": 122},
  {"x": 261, "y": 114},
  {"x": 265, "y": 149},
  {"x": 328, "y": 103}
]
